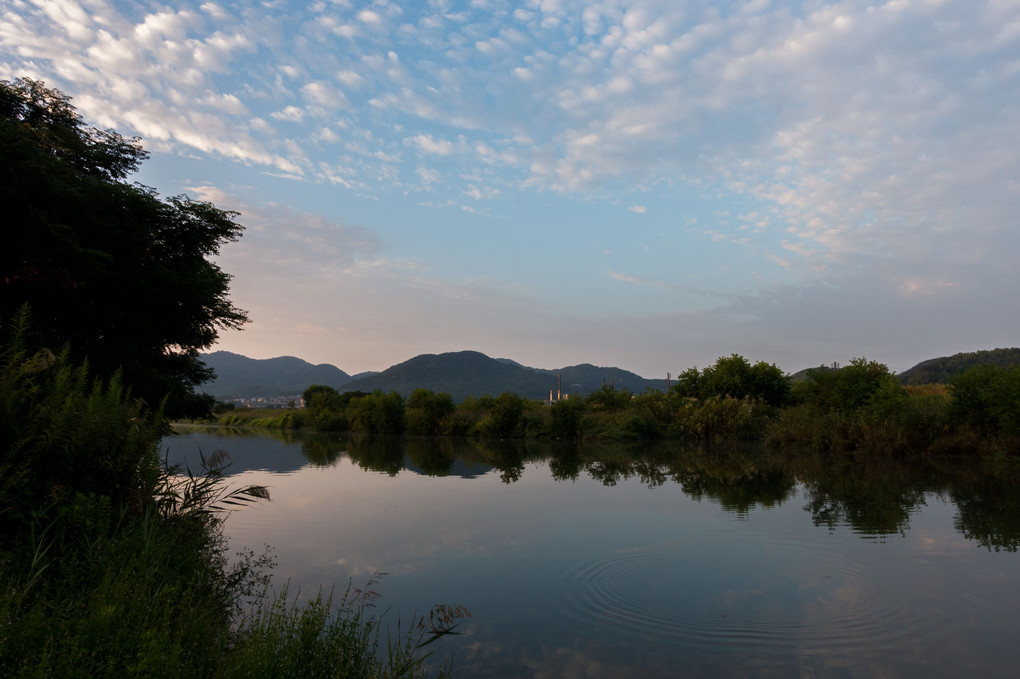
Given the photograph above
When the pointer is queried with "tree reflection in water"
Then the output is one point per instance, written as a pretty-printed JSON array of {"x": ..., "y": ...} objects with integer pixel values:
[{"x": 875, "y": 496}]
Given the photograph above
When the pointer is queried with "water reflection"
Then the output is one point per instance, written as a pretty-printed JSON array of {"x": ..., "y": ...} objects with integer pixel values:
[
  {"x": 639, "y": 559},
  {"x": 873, "y": 496},
  {"x": 989, "y": 514}
]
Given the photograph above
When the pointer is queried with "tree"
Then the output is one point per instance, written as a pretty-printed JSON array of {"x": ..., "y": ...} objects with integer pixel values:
[
  {"x": 504, "y": 417},
  {"x": 378, "y": 413},
  {"x": 322, "y": 399},
  {"x": 734, "y": 377},
  {"x": 608, "y": 398},
  {"x": 850, "y": 387},
  {"x": 987, "y": 397},
  {"x": 427, "y": 411},
  {"x": 107, "y": 267}
]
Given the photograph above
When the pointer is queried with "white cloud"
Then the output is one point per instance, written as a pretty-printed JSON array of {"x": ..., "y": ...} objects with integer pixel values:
[
  {"x": 481, "y": 192},
  {"x": 429, "y": 176},
  {"x": 291, "y": 114},
  {"x": 369, "y": 17},
  {"x": 321, "y": 94},
  {"x": 427, "y": 144},
  {"x": 850, "y": 141},
  {"x": 350, "y": 78}
]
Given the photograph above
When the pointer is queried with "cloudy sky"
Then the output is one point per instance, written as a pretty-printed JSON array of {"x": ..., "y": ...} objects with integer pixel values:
[{"x": 648, "y": 184}]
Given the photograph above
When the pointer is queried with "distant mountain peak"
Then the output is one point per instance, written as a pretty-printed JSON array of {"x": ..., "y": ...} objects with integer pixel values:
[
  {"x": 460, "y": 373},
  {"x": 238, "y": 376}
]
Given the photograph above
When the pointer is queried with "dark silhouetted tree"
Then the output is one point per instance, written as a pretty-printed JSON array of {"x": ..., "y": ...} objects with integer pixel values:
[{"x": 107, "y": 267}]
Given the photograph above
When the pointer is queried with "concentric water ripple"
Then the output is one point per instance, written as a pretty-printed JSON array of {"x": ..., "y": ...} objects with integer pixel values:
[{"x": 784, "y": 606}]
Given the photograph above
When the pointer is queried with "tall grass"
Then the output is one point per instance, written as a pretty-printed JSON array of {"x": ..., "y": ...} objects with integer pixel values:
[
  {"x": 330, "y": 638},
  {"x": 113, "y": 565}
]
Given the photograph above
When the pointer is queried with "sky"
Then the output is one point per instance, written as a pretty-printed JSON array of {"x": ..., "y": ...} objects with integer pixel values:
[{"x": 647, "y": 184}]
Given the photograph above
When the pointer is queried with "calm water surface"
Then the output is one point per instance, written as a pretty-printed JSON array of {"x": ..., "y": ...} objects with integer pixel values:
[{"x": 650, "y": 560}]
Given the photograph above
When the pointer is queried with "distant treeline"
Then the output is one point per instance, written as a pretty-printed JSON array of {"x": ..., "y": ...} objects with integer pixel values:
[{"x": 860, "y": 406}]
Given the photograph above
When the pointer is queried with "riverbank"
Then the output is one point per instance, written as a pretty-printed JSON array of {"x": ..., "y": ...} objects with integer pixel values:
[
  {"x": 112, "y": 565},
  {"x": 897, "y": 421}
]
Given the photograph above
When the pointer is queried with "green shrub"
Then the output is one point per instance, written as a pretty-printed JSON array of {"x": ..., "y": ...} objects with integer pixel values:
[
  {"x": 734, "y": 377},
  {"x": 113, "y": 566},
  {"x": 503, "y": 418},
  {"x": 718, "y": 418},
  {"x": 564, "y": 419},
  {"x": 429, "y": 413},
  {"x": 847, "y": 388},
  {"x": 987, "y": 398},
  {"x": 608, "y": 398},
  {"x": 377, "y": 413}
]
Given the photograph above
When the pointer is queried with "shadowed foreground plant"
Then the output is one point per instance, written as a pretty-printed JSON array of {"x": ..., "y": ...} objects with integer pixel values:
[
  {"x": 335, "y": 639},
  {"x": 114, "y": 565}
]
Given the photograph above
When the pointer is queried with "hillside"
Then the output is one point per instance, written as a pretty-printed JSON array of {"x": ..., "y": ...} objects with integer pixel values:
[
  {"x": 802, "y": 375},
  {"x": 242, "y": 377},
  {"x": 470, "y": 373},
  {"x": 461, "y": 373},
  {"x": 939, "y": 370}
]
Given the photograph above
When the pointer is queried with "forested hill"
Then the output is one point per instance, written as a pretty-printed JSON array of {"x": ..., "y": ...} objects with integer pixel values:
[
  {"x": 470, "y": 373},
  {"x": 461, "y": 374},
  {"x": 238, "y": 376},
  {"x": 939, "y": 370}
]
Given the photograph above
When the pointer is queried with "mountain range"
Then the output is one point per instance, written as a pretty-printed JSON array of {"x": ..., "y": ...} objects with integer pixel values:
[
  {"x": 470, "y": 373},
  {"x": 460, "y": 373}
]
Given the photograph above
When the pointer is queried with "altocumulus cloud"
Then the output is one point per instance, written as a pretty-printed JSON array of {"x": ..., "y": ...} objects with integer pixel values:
[{"x": 867, "y": 146}]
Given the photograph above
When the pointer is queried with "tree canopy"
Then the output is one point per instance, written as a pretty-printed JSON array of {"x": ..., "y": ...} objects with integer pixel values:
[
  {"x": 106, "y": 266},
  {"x": 734, "y": 376}
]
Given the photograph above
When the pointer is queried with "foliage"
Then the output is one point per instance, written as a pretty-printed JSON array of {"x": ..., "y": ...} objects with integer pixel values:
[
  {"x": 332, "y": 639},
  {"x": 106, "y": 266},
  {"x": 565, "y": 418},
  {"x": 988, "y": 398},
  {"x": 860, "y": 407},
  {"x": 849, "y": 387},
  {"x": 428, "y": 413},
  {"x": 504, "y": 416},
  {"x": 320, "y": 398},
  {"x": 325, "y": 409},
  {"x": 608, "y": 398},
  {"x": 718, "y": 418},
  {"x": 63, "y": 433},
  {"x": 907, "y": 423},
  {"x": 377, "y": 413},
  {"x": 222, "y": 407},
  {"x": 734, "y": 377},
  {"x": 112, "y": 565}
]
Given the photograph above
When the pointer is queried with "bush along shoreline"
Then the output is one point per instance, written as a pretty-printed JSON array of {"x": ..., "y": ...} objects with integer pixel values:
[
  {"x": 859, "y": 407},
  {"x": 112, "y": 565}
]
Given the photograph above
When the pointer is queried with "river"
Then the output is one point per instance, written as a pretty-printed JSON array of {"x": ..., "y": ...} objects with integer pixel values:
[{"x": 648, "y": 559}]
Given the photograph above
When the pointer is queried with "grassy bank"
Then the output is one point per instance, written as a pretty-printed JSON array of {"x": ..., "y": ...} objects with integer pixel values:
[{"x": 113, "y": 566}]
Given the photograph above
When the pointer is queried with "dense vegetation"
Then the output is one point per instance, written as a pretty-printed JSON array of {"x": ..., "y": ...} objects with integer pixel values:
[
  {"x": 119, "y": 275},
  {"x": 112, "y": 565},
  {"x": 860, "y": 406}
]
